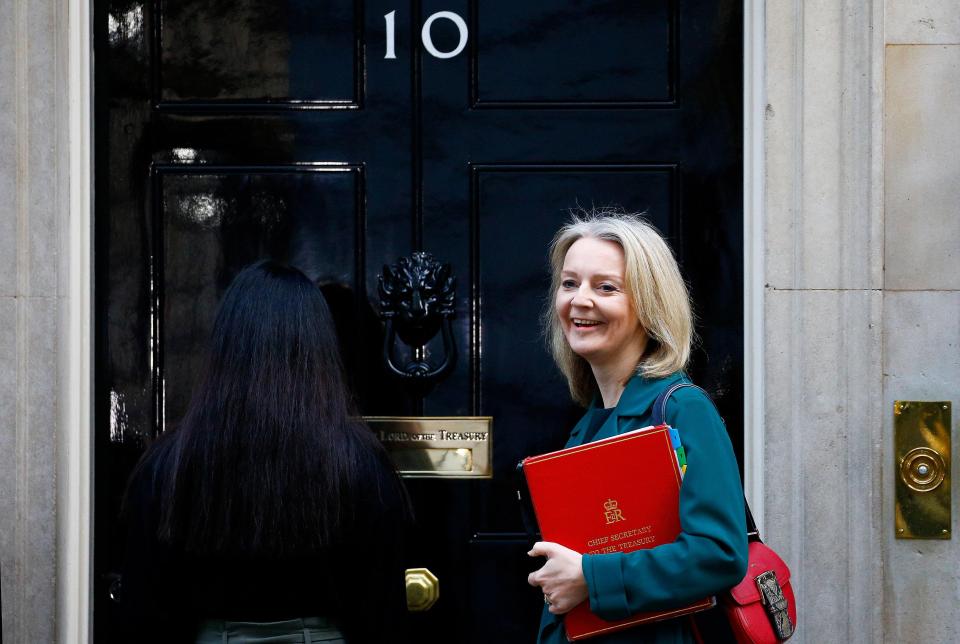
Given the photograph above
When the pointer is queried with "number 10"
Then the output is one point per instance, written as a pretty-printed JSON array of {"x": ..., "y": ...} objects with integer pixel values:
[{"x": 425, "y": 34}]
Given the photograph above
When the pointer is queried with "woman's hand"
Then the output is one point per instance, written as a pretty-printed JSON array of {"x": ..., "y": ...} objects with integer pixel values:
[{"x": 561, "y": 578}]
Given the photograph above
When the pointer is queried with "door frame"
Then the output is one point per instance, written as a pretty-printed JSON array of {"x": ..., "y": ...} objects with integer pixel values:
[
  {"x": 75, "y": 438},
  {"x": 74, "y": 618},
  {"x": 754, "y": 184}
]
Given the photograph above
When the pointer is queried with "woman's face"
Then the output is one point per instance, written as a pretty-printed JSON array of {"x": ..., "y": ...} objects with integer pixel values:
[{"x": 595, "y": 312}]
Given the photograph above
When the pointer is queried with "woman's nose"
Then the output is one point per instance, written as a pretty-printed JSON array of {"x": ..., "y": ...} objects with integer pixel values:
[{"x": 582, "y": 298}]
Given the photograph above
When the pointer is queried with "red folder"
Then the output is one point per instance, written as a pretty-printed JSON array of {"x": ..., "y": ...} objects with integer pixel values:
[{"x": 618, "y": 494}]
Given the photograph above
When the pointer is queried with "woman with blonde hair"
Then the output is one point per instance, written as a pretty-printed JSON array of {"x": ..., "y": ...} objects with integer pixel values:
[{"x": 620, "y": 328}]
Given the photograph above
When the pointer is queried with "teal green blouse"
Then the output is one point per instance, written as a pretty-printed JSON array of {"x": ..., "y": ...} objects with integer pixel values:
[{"x": 708, "y": 557}]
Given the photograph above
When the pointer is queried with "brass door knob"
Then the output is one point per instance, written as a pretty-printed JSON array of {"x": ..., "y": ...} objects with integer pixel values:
[
  {"x": 922, "y": 469},
  {"x": 423, "y": 589}
]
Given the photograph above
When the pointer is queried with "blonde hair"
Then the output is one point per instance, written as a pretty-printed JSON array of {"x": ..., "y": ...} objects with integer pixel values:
[{"x": 652, "y": 282}]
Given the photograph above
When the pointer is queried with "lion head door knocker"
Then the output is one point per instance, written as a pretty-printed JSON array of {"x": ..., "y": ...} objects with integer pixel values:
[{"x": 417, "y": 298}]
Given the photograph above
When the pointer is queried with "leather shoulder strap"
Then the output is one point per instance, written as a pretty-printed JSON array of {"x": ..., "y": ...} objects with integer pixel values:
[
  {"x": 660, "y": 404},
  {"x": 657, "y": 418}
]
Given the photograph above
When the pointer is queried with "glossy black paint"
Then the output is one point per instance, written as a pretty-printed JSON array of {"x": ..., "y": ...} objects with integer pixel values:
[
  {"x": 417, "y": 303},
  {"x": 231, "y": 130}
]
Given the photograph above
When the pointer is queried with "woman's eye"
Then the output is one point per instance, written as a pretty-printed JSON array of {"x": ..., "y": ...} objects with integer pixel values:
[
  {"x": 608, "y": 288},
  {"x": 568, "y": 284}
]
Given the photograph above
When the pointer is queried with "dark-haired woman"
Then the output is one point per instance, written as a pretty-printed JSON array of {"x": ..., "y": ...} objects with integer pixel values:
[{"x": 270, "y": 514}]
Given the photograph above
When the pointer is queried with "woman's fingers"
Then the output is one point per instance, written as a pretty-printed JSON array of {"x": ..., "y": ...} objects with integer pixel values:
[
  {"x": 540, "y": 549},
  {"x": 543, "y": 549},
  {"x": 559, "y": 604},
  {"x": 560, "y": 578}
]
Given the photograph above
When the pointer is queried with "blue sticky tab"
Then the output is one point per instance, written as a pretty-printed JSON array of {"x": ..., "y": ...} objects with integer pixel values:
[{"x": 675, "y": 438}]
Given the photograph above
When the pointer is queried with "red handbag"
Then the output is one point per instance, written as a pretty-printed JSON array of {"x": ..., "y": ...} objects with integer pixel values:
[{"x": 761, "y": 609}]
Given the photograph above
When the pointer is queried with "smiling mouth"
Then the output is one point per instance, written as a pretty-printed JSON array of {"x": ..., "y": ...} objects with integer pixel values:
[{"x": 581, "y": 323}]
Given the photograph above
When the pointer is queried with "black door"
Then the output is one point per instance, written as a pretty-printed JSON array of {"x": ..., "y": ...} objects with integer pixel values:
[{"x": 339, "y": 137}]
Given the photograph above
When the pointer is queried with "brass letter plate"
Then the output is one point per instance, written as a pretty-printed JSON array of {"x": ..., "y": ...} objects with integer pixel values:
[
  {"x": 442, "y": 447},
  {"x": 921, "y": 435}
]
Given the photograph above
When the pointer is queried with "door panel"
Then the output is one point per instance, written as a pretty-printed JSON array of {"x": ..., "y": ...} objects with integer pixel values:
[
  {"x": 214, "y": 221},
  {"x": 227, "y": 53},
  {"x": 572, "y": 54},
  {"x": 231, "y": 131}
]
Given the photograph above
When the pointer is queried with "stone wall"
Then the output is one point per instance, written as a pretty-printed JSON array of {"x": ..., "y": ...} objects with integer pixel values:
[
  {"x": 33, "y": 200},
  {"x": 921, "y": 301},
  {"x": 823, "y": 303},
  {"x": 862, "y": 304}
]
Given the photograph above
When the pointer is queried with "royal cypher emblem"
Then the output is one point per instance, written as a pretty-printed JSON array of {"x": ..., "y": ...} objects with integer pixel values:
[{"x": 612, "y": 512}]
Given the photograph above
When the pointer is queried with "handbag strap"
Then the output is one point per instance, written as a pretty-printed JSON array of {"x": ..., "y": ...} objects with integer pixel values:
[{"x": 657, "y": 418}]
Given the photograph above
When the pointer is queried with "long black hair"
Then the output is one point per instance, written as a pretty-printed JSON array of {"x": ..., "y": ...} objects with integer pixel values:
[{"x": 267, "y": 460}]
